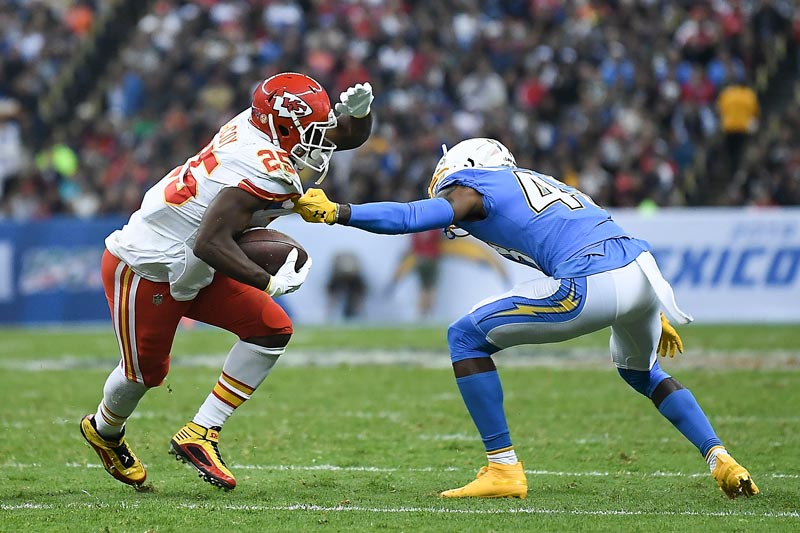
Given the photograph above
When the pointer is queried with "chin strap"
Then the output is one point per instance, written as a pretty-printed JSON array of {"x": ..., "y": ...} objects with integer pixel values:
[
  {"x": 454, "y": 232},
  {"x": 306, "y": 171},
  {"x": 324, "y": 172},
  {"x": 271, "y": 123}
]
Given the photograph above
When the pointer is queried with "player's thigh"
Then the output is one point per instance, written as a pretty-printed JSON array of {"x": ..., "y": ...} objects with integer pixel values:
[
  {"x": 637, "y": 328},
  {"x": 241, "y": 309},
  {"x": 546, "y": 310},
  {"x": 145, "y": 318}
]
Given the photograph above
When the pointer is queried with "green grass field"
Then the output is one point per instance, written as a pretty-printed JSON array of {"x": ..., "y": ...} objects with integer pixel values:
[{"x": 340, "y": 438}]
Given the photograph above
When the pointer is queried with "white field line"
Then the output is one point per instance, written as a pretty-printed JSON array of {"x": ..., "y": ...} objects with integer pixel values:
[
  {"x": 536, "y": 356},
  {"x": 382, "y": 415},
  {"x": 379, "y": 469},
  {"x": 303, "y": 507},
  {"x": 392, "y": 416},
  {"x": 519, "y": 510}
]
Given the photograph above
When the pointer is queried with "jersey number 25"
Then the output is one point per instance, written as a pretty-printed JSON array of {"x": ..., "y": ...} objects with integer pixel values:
[{"x": 182, "y": 188}]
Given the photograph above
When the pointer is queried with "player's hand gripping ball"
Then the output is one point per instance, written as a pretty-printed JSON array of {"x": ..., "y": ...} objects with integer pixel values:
[
  {"x": 280, "y": 255},
  {"x": 269, "y": 249}
]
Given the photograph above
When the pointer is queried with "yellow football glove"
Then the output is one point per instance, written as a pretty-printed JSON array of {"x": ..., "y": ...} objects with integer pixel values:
[
  {"x": 670, "y": 341},
  {"x": 314, "y": 206}
]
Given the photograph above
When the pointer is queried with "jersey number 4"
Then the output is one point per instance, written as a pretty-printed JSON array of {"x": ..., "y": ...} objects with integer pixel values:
[
  {"x": 183, "y": 187},
  {"x": 543, "y": 191}
]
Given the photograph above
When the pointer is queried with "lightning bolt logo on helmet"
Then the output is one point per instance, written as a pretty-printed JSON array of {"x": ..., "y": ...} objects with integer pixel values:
[{"x": 470, "y": 153}]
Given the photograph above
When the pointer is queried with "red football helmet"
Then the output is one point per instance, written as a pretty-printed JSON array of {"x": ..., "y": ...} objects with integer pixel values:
[{"x": 295, "y": 111}]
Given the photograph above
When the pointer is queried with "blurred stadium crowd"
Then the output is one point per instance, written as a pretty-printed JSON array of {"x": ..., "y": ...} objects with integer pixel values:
[{"x": 621, "y": 98}]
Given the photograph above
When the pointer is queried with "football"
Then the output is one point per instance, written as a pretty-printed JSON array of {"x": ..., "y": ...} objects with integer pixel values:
[{"x": 268, "y": 248}]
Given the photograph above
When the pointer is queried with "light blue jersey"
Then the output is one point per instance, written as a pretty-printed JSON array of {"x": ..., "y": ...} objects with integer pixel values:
[
  {"x": 596, "y": 276},
  {"x": 538, "y": 221}
]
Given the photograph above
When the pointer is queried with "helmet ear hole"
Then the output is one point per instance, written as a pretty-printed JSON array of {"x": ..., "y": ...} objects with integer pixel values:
[{"x": 283, "y": 130}]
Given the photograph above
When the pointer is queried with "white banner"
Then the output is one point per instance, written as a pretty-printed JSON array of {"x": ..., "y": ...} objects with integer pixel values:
[
  {"x": 6, "y": 271},
  {"x": 726, "y": 265}
]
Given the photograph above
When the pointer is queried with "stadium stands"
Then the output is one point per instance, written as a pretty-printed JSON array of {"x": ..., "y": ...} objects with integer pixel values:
[{"x": 100, "y": 99}]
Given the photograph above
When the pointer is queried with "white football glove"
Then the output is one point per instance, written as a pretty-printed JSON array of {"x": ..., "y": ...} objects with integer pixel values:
[
  {"x": 286, "y": 279},
  {"x": 355, "y": 101}
]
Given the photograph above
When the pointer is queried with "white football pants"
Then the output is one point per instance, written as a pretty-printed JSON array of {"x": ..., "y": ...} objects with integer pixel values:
[{"x": 547, "y": 310}]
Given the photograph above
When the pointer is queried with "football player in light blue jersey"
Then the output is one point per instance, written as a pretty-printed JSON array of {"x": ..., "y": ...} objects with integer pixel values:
[{"x": 596, "y": 276}]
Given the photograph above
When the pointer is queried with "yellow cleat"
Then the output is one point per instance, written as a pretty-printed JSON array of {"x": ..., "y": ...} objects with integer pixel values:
[
  {"x": 117, "y": 458},
  {"x": 197, "y": 446},
  {"x": 494, "y": 481},
  {"x": 733, "y": 479}
]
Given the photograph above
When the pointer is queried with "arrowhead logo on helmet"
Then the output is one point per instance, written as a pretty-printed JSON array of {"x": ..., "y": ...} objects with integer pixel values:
[
  {"x": 287, "y": 103},
  {"x": 294, "y": 111}
]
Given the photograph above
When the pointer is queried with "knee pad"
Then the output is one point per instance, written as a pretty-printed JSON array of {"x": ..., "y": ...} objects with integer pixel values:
[
  {"x": 466, "y": 341},
  {"x": 644, "y": 381},
  {"x": 274, "y": 321}
]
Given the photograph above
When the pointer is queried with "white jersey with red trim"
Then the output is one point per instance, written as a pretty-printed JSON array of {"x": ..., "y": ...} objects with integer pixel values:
[{"x": 158, "y": 239}]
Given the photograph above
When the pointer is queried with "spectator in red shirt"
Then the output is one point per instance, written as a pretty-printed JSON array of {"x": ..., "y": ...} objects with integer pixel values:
[
  {"x": 698, "y": 90},
  {"x": 427, "y": 248}
]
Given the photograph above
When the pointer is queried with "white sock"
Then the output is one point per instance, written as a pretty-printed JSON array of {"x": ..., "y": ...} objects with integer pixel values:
[
  {"x": 246, "y": 366},
  {"x": 712, "y": 456},
  {"x": 505, "y": 456},
  {"x": 120, "y": 398}
]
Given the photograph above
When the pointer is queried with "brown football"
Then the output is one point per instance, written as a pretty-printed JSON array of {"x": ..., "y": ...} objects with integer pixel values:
[{"x": 268, "y": 248}]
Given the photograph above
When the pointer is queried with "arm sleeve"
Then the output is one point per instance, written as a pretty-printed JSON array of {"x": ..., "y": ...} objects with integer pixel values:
[{"x": 394, "y": 218}]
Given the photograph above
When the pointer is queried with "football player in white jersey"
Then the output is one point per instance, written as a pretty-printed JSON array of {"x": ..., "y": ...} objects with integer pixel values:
[{"x": 177, "y": 256}]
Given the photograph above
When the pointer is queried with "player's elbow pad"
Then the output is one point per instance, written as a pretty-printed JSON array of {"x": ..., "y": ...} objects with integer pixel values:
[{"x": 394, "y": 218}]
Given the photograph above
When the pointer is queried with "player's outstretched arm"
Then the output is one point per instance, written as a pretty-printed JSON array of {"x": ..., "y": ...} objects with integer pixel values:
[
  {"x": 354, "y": 120},
  {"x": 226, "y": 217},
  {"x": 451, "y": 205}
]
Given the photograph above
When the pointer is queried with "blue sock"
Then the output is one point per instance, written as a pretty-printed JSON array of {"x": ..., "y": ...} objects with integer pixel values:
[
  {"x": 680, "y": 408},
  {"x": 483, "y": 396}
]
